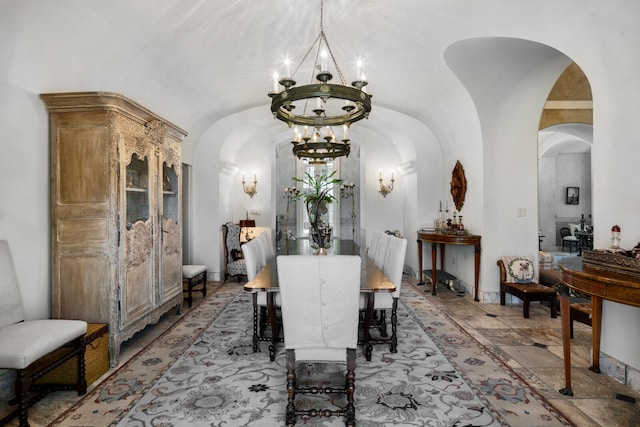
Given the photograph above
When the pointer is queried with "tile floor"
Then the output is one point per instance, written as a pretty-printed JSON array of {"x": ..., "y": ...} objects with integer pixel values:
[{"x": 532, "y": 347}]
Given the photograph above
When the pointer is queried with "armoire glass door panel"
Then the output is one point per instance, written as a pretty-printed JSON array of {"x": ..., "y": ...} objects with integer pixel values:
[
  {"x": 137, "y": 186},
  {"x": 169, "y": 192}
]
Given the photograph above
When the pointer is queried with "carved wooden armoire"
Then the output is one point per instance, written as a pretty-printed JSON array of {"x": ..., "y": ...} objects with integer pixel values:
[{"x": 116, "y": 239}]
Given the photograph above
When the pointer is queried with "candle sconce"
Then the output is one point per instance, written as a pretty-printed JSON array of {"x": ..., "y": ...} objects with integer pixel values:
[
  {"x": 347, "y": 191},
  {"x": 386, "y": 189},
  {"x": 291, "y": 193},
  {"x": 250, "y": 190}
]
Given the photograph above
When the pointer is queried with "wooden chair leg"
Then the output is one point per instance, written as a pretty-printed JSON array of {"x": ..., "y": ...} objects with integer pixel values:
[
  {"x": 503, "y": 299},
  {"x": 291, "y": 388},
  {"x": 394, "y": 326},
  {"x": 351, "y": 387}
]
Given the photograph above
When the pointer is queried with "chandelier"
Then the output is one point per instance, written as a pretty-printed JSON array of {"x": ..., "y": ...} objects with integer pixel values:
[{"x": 321, "y": 105}]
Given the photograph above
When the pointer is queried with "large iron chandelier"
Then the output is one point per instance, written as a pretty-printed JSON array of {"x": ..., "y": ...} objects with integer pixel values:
[{"x": 322, "y": 105}]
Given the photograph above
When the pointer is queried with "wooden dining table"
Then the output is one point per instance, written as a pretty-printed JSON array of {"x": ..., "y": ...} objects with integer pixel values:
[{"x": 372, "y": 280}]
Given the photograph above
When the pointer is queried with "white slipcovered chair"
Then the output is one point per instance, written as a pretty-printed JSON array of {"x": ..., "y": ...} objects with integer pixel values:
[
  {"x": 373, "y": 244},
  {"x": 393, "y": 267},
  {"x": 320, "y": 297},
  {"x": 27, "y": 345},
  {"x": 381, "y": 250},
  {"x": 252, "y": 253}
]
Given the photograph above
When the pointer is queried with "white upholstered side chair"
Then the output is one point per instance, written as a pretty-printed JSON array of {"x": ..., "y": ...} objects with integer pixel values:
[
  {"x": 253, "y": 260},
  {"x": 267, "y": 245},
  {"x": 381, "y": 251},
  {"x": 27, "y": 345},
  {"x": 252, "y": 252},
  {"x": 393, "y": 268},
  {"x": 320, "y": 297},
  {"x": 373, "y": 243},
  {"x": 264, "y": 242}
]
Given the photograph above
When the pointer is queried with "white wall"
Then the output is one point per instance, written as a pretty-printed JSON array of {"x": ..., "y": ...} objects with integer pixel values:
[{"x": 24, "y": 194}]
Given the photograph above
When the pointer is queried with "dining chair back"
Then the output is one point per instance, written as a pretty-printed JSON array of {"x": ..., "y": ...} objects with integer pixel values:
[
  {"x": 252, "y": 253},
  {"x": 265, "y": 252},
  {"x": 270, "y": 251},
  {"x": 252, "y": 257},
  {"x": 373, "y": 243},
  {"x": 320, "y": 297},
  {"x": 381, "y": 251},
  {"x": 394, "y": 263},
  {"x": 393, "y": 269}
]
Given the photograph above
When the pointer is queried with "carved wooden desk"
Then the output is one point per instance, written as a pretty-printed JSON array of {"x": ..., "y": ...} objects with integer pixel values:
[
  {"x": 447, "y": 239},
  {"x": 600, "y": 285}
]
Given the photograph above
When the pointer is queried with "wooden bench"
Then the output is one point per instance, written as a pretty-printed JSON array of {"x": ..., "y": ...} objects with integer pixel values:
[
  {"x": 34, "y": 348},
  {"x": 527, "y": 292},
  {"x": 194, "y": 275}
]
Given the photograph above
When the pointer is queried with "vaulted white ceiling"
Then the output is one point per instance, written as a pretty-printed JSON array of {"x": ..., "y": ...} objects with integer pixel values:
[{"x": 196, "y": 62}]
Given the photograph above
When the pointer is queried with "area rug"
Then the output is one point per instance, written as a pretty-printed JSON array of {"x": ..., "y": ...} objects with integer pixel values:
[{"x": 202, "y": 372}]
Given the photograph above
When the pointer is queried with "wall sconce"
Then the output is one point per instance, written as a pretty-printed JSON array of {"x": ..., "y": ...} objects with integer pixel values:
[
  {"x": 250, "y": 190},
  {"x": 386, "y": 189}
]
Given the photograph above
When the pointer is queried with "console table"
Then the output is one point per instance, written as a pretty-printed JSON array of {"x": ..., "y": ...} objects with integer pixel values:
[
  {"x": 443, "y": 239},
  {"x": 600, "y": 285}
]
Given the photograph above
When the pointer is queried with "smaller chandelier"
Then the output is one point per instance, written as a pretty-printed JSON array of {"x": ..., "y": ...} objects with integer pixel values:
[
  {"x": 321, "y": 104},
  {"x": 318, "y": 147}
]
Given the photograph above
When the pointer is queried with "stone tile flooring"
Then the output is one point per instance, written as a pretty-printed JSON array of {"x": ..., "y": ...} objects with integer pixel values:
[{"x": 532, "y": 347}]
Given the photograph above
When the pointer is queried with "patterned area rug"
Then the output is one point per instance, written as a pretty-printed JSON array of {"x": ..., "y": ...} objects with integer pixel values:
[{"x": 202, "y": 372}]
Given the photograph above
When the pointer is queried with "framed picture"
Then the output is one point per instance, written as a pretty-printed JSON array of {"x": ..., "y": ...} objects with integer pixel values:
[{"x": 573, "y": 195}]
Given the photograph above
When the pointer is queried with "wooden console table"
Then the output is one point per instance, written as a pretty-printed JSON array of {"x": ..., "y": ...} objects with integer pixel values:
[
  {"x": 447, "y": 239},
  {"x": 600, "y": 285}
]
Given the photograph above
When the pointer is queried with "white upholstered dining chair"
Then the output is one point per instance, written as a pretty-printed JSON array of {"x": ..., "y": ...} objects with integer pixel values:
[
  {"x": 381, "y": 251},
  {"x": 252, "y": 254},
  {"x": 320, "y": 297},
  {"x": 392, "y": 268}
]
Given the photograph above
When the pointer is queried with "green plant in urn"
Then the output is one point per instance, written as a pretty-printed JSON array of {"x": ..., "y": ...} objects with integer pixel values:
[{"x": 316, "y": 194}]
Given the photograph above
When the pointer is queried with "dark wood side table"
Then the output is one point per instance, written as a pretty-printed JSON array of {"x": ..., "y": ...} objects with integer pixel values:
[
  {"x": 600, "y": 285},
  {"x": 443, "y": 239}
]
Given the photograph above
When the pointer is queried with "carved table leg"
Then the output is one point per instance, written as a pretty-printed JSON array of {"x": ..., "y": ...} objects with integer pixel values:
[
  {"x": 566, "y": 343},
  {"x": 420, "y": 262},
  {"x": 596, "y": 329}
]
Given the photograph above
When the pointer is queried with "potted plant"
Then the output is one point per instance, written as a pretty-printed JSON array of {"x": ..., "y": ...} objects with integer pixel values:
[{"x": 316, "y": 196}]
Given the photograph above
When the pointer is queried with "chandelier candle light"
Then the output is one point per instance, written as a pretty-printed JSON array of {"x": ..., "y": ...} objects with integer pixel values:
[{"x": 325, "y": 105}]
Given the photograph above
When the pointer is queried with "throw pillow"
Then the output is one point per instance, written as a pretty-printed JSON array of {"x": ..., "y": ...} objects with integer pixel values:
[{"x": 519, "y": 269}]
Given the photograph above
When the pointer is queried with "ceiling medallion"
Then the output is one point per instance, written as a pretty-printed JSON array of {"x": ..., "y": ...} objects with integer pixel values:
[{"x": 321, "y": 104}]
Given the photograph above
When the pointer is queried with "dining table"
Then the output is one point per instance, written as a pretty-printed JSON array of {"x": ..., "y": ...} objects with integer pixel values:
[{"x": 372, "y": 280}]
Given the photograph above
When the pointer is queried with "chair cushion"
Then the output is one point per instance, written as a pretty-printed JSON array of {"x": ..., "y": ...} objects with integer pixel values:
[
  {"x": 262, "y": 298},
  {"x": 25, "y": 342},
  {"x": 237, "y": 267},
  {"x": 519, "y": 269},
  {"x": 190, "y": 271},
  {"x": 382, "y": 301}
]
